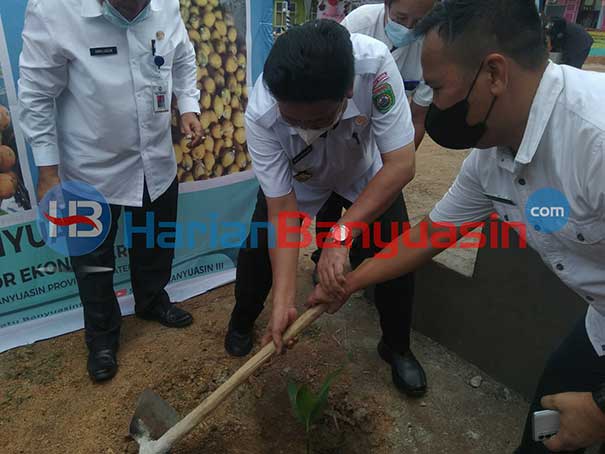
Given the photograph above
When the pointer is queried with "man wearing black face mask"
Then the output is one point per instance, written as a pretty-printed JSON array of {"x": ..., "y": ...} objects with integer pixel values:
[
  {"x": 539, "y": 131},
  {"x": 449, "y": 127}
]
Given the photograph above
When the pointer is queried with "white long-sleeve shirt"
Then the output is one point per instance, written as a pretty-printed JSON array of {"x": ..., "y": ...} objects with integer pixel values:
[{"x": 86, "y": 92}]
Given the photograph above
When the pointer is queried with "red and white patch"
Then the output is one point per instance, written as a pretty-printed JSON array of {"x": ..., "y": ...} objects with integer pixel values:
[{"x": 381, "y": 78}]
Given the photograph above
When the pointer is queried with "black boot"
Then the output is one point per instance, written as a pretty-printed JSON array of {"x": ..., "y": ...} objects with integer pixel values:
[
  {"x": 408, "y": 374},
  {"x": 238, "y": 342},
  {"x": 102, "y": 364},
  {"x": 167, "y": 314}
]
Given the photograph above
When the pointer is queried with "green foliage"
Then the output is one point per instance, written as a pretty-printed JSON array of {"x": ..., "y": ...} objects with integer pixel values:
[{"x": 309, "y": 407}]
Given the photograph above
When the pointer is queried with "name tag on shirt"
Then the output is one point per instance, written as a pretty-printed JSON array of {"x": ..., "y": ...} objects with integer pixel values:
[
  {"x": 100, "y": 51},
  {"x": 160, "y": 99}
]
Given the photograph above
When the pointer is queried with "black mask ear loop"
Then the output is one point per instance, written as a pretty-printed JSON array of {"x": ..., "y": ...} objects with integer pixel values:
[
  {"x": 474, "y": 81},
  {"x": 490, "y": 109},
  {"x": 471, "y": 89}
]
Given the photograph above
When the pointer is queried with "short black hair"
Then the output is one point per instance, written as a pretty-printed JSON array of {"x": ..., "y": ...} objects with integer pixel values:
[
  {"x": 311, "y": 62},
  {"x": 475, "y": 28}
]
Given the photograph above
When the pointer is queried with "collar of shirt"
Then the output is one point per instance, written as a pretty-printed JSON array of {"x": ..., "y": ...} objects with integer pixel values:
[
  {"x": 93, "y": 8},
  {"x": 540, "y": 112}
]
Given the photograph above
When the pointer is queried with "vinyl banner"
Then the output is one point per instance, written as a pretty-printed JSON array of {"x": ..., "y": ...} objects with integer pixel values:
[{"x": 217, "y": 189}]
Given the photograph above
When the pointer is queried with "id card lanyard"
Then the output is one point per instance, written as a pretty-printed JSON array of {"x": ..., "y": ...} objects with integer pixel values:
[{"x": 160, "y": 87}]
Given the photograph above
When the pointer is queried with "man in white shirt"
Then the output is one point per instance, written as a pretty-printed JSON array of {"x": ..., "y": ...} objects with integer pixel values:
[
  {"x": 96, "y": 78},
  {"x": 328, "y": 116},
  {"x": 393, "y": 24},
  {"x": 539, "y": 133}
]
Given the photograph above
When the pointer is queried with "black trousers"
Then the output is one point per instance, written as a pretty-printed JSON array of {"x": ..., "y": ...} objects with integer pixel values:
[
  {"x": 393, "y": 298},
  {"x": 150, "y": 270},
  {"x": 573, "y": 367}
]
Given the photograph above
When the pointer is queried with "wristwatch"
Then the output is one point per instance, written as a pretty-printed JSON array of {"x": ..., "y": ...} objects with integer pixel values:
[
  {"x": 599, "y": 397},
  {"x": 340, "y": 233}
]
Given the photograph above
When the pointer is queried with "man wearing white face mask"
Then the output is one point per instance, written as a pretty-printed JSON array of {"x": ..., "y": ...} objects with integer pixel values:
[
  {"x": 393, "y": 24},
  {"x": 96, "y": 80},
  {"x": 328, "y": 116}
]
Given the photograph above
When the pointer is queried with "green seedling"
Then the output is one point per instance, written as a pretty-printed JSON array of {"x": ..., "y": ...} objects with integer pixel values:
[{"x": 309, "y": 407}]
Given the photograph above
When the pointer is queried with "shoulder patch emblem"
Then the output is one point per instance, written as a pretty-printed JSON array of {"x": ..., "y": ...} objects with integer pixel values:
[
  {"x": 383, "y": 77},
  {"x": 383, "y": 97}
]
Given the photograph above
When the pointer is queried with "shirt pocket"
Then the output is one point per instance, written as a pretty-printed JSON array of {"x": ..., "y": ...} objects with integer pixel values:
[
  {"x": 588, "y": 233},
  {"x": 357, "y": 137},
  {"x": 166, "y": 52},
  {"x": 347, "y": 156}
]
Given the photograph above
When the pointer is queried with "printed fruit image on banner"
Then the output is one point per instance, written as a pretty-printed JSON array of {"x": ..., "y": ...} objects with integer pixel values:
[
  {"x": 13, "y": 194},
  {"x": 217, "y": 32}
]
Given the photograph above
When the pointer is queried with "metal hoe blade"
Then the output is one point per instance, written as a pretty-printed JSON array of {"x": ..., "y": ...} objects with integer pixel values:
[{"x": 152, "y": 417}]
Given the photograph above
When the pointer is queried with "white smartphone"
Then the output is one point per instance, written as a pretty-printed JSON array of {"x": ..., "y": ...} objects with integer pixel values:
[{"x": 546, "y": 423}]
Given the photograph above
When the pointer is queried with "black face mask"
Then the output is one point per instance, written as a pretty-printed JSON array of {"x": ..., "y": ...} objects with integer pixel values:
[{"x": 449, "y": 127}]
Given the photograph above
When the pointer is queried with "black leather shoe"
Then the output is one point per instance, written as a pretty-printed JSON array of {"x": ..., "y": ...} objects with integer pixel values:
[
  {"x": 238, "y": 343},
  {"x": 408, "y": 374},
  {"x": 168, "y": 314},
  {"x": 102, "y": 364}
]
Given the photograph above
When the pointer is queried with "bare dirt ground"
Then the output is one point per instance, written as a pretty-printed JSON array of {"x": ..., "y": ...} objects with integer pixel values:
[{"x": 48, "y": 404}]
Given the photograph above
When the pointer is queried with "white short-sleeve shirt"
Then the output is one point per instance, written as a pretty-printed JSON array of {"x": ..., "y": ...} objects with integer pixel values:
[
  {"x": 377, "y": 120},
  {"x": 563, "y": 148},
  {"x": 369, "y": 20}
]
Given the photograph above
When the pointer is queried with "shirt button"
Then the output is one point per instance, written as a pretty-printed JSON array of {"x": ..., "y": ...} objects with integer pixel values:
[
  {"x": 589, "y": 298},
  {"x": 581, "y": 237},
  {"x": 560, "y": 267},
  {"x": 522, "y": 181}
]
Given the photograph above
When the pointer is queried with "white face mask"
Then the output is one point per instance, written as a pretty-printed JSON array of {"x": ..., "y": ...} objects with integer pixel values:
[{"x": 311, "y": 135}]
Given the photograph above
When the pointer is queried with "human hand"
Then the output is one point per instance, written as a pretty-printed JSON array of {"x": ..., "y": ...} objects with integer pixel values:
[
  {"x": 582, "y": 422},
  {"x": 282, "y": 317},
  {"x": 191, "y": 128}
]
